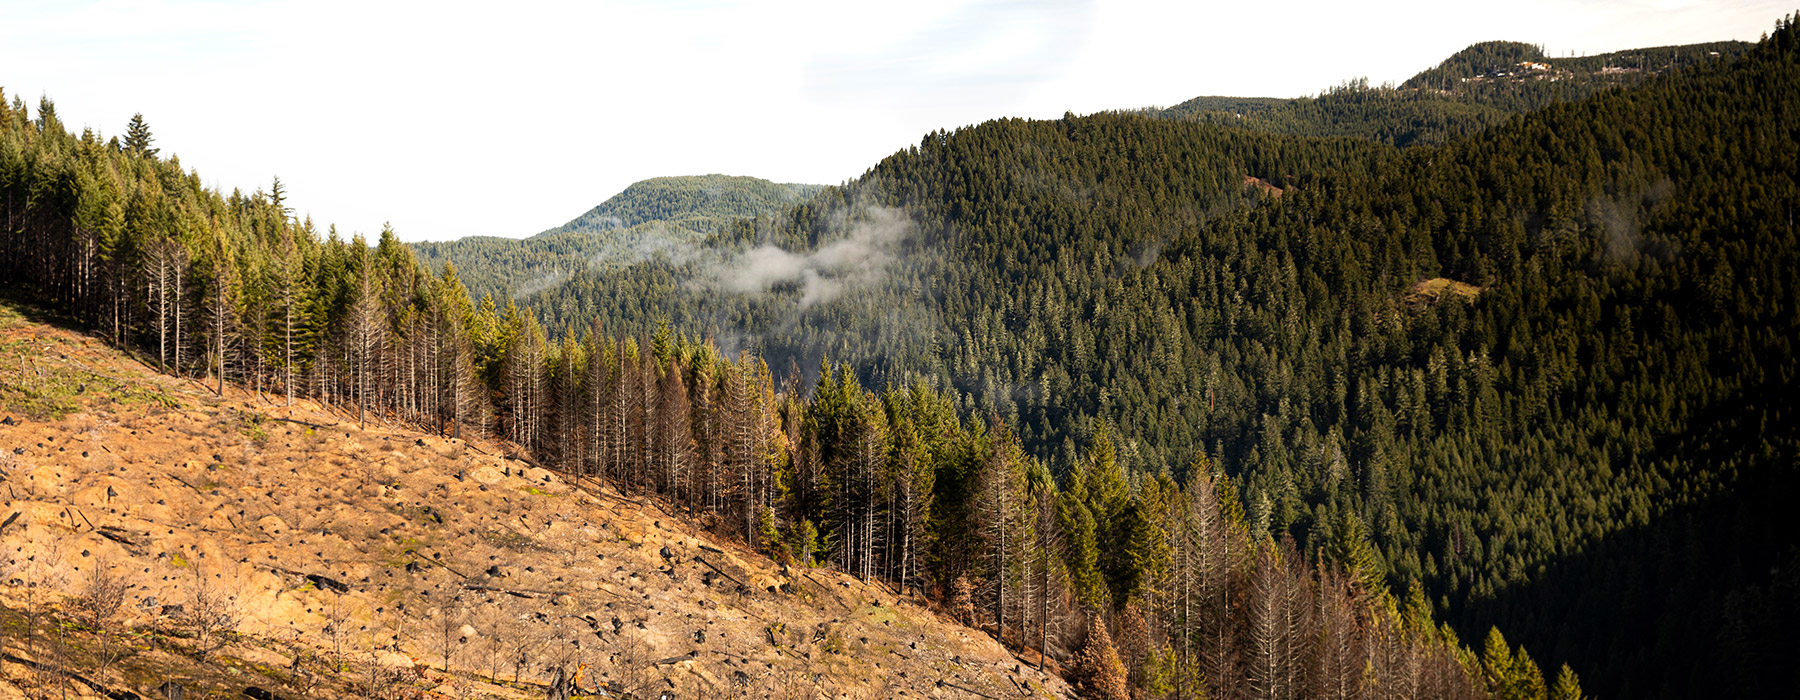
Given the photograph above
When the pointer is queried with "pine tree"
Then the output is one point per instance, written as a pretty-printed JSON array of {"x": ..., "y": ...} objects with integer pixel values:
[
  {"x": 365, "y": 333},
  {"x": 1269, "y": 641},
  {"x": 1353, "y": 549},
  {"x": 770, "y": 542},
  {"x": 1083, "y": 549},
  {"x": 962, "y": 601},
  {"x": 138, "y": 138},
  {"x": 1047, "y": 555},
  {"x": 674, "y": 435},
  {"x": 1097, "y": 668},
  {"x": 290, "y": 308},
  {"x": 222, "y": 307},
  {"x": 1134, "y": 644},
  {"x": 1567, "y": 687},
  {"x": 1527, "y": 681},
  {"x": 278, "y": 198},
  {"x": 1497, "y": 664},
  {"x": 1001, "y": 512}
]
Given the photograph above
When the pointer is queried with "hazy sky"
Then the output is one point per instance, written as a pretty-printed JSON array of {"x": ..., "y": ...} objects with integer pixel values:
[{"x": 493, "y": 118}]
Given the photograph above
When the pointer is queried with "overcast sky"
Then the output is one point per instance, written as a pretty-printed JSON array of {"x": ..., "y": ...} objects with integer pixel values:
[{"x": 493, "y": 118}]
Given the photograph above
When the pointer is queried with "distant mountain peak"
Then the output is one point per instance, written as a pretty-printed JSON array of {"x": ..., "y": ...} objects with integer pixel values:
[
  {"x": 692, "y": 201},
  {"x": 1496, "y": 60},
  {"x": 1475, "y": 88}
]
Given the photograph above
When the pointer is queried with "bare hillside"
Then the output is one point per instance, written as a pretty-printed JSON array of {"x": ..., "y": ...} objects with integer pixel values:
[{"x": 253, "y": 548}]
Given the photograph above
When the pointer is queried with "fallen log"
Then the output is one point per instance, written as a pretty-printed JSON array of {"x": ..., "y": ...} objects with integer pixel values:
[
  {"x": 526, "y": 593},
  {"x": 720, "y": 572},
  {"x": 676, "y": 659},
  {"x": 109, "y": 532},
  {"x": 971, "y": 691}
]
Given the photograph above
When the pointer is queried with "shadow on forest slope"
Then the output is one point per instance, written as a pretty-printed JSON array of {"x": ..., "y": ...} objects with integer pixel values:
[{"x": 1704, "y": 601}]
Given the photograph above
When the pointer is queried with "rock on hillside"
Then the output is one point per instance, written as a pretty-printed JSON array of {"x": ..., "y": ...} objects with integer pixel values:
[{"x": 287, "y": 550}]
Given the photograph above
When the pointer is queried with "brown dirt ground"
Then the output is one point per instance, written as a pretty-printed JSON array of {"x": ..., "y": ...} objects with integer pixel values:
[
  {"x": 439, "y": 543},
  {"x": 1430, "y": 291}
]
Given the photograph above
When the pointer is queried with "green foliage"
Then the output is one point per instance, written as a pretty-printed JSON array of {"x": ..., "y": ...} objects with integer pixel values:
[
  {"x": 1083, "y": 549},
  {"x": 807, "y": 543},
  {"x": 1479, "y": 87},
  {"x": 694, "y": 202},
  {"x": 1531, "y": 367},
  {"x": 138, "y": 138},
  {"x": 1538, "y": 349},
  {"x": 1159, "y": 672},
  {"x": 771, "y": 543},
  {"x": 1350, "y": 545},
  {"x": 1568, "y": 686},
  {"x": 659, "y": 216}
]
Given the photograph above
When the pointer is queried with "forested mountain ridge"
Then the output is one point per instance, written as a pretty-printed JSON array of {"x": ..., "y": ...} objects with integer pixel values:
[
  {"x": 1244, "y": 406},
  {"x": 900, "y": 487},
  {"x": 1476, "y": 88},
  {"x": 652, "y": 216},
  {"x": 1592, "y": 411},
  {"x": 694, "y": 202},
  {"x": 312, "y": 557}
]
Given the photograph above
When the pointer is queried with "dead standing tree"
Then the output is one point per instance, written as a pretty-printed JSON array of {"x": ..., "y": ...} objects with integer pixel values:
[
  {"x": 447, "y": 633},
  {"x": 102, "y": 596},
  {"x": 221, "y": 308},
  {"x": 211, "y": 613}
]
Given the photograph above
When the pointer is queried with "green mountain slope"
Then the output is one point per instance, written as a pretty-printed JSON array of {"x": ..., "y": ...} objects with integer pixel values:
[
  {"x": 1476, "y": 88},
  {"x": 651, "y": 216},
  {"x": 443, "y": 553},
  {"x": 1602, "y": 397},
  {"x": 693, "y": 202}
]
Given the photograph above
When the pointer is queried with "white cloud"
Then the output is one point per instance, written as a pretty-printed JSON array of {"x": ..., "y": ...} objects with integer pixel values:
[{"x": 452, "y": 119}]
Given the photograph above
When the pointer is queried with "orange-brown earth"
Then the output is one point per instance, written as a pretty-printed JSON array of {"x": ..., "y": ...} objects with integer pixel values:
[
  {"x": 1431, "y": 291},
  {"x": 384, "y": 562}
]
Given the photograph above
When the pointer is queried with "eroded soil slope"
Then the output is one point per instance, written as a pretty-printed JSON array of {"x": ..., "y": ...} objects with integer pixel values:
[{"x": 289, "y": 550}]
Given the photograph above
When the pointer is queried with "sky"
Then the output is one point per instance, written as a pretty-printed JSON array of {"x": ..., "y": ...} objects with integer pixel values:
[{"x": 449, "y": 119}]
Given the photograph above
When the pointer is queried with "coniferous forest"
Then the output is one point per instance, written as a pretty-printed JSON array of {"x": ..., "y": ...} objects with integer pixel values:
[
  {"x": 1187, "y": 407},
  {"x": 650, "y": 218}
]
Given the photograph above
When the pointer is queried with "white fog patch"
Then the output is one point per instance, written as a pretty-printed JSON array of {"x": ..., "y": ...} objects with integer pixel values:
[{"x": 860, "y": 258}]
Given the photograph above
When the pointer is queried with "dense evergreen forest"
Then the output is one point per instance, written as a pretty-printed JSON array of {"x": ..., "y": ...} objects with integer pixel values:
[
  {"x": 694, "y": 202},
  {"x": 1542, "y": 364},
  {"x": 1133, "y": 587},
  {"x": 1479, "y": 87},
  {"x": 652, "y": 217},
  {"x": 1218, "y": 389}
]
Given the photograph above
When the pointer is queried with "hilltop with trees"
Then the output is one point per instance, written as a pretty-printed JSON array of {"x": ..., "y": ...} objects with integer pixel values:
[{"x": 1053, "y": 375}]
